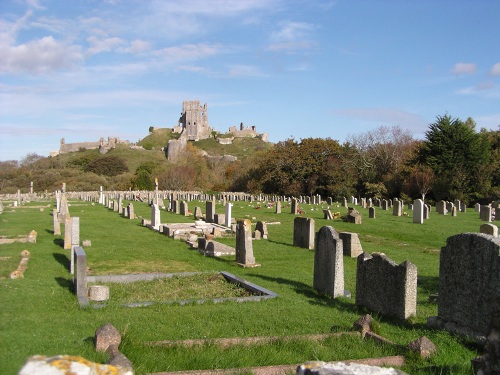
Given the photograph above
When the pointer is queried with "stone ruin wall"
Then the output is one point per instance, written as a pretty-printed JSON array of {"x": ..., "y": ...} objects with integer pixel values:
[{"x": 65, "y": 148}]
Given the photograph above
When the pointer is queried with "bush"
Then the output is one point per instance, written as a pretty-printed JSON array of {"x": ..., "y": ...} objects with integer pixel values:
[{"x": 107, "y": 166}]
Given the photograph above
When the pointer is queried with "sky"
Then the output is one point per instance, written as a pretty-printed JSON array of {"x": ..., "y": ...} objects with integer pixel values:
[{"x": 86, "y": 69}]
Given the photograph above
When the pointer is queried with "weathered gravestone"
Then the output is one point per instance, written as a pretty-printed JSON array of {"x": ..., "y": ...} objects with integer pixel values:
[
  {"x": 294, "y": 207},
  {"x": 278, "y": 207},
  {"x": 184, "y": 208},
  {"x": 441, "y": 208},
  {"x": 351, "y": 244},
  {"x": 418, "y": 211},
  {"x": 197, "y": 213},
  {"x": 485, "y": 213},
  {"x": 385, "y": 287},
  {"x": 57, "y": 223},
  {"x": 260, "y": 230},
  {"x": 130, "y": 211},
  {"x": 397, "y": 207},
  {"x": 244, "y": 246},
  {"x": 371, "y": 213},
  {"x": 490, "y": 229},
  {"x": 328, "y": 263},
  {"x": 469, "y": 283},
  {"x": 67, "y": 233},
  {"x": 155, "y": 217},
  {"x": 327, "y": 214},
  {"x": 353, "y": 216},
  {"x": 489, "y": 362},
  {"x": 303, "y": 232},
  {"x": 228, "y": 215},
  {"x": 210, "y": 211}
]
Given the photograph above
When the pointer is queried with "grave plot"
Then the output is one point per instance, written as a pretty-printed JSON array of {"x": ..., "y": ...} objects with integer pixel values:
[{"x": 183, "y": 288}]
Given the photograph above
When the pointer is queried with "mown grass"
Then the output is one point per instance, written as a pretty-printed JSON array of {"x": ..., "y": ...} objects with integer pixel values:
[
  {"x": 177, "y": 288},
  {"x": 40, "y": 315}
]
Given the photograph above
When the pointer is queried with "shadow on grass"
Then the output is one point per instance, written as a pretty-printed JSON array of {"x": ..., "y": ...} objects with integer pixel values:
[
  {"x": 315, "y": 298},
  {"x": 62, "y": 259},
  {"x": 282, "y": 243},
  {"x": 65, "y": 283},
  {"x": 49, "y": 231},
  {"x": 429, "y": 284},
  {"x": 59, "y": 242}
]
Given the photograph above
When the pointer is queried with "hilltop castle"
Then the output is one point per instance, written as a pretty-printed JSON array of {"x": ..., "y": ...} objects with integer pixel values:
[{"x": 193, "y": 126}]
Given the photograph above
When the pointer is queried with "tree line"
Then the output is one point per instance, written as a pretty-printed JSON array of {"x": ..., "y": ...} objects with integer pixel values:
[{"x": 454, "y": 161}]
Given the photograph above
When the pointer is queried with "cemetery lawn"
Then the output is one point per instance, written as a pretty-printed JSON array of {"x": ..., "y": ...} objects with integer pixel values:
[{"x": 39, "y": 314}]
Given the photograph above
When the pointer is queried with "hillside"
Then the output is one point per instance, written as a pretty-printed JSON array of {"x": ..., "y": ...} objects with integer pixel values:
[{"x": 241, "y": 147}]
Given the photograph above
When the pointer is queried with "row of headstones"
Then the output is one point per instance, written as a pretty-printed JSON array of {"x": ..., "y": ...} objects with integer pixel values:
[
  {"x": 381, "y": 285},
  {"x": 469, "y": 281}
]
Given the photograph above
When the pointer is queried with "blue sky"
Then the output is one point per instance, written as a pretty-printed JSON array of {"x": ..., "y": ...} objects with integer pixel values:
[{"x": 86, "y": 69}]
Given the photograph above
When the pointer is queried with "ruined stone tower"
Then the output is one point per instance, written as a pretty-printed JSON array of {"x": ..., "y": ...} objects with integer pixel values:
[{"x": 194, "y": 120}]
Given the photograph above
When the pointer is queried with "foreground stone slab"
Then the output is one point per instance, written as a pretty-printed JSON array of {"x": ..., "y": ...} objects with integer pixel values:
[
  {"x": 66, "y": 364},
  {"x": 341, "y": 368}
]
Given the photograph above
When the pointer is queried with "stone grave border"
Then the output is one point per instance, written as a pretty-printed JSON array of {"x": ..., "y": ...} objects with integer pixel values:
[{"x": 261, "y": 293}]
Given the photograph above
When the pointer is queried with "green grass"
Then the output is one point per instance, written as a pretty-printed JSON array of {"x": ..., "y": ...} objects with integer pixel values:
[
  {"x": 39, "y": 314},
  {"x": 178, "y": 288}
]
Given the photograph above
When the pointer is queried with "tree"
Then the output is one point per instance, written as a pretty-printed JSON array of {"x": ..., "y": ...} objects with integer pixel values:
[
  {"x": 380, "y": 154},
  {"x": 107, "y": 166},
  {"x": 455, "y": 152}
]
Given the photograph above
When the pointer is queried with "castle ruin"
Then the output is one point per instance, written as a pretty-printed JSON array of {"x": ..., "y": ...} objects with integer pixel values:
[
  {"x": 193, "y": 126},
  {"x": 194, "y": 121}
]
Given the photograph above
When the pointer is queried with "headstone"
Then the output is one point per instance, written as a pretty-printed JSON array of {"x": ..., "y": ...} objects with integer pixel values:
[
  {"x": 197, "y": 213},
  {"x": 489, "y": 362},
  {"x": 81, "y": 276},
  {"x": 155, "y": 217},
  {"x": 490, "y": 229},
  {"x": 75, "y": 241},
  {"x": 327, "y": 215},
  {"x": 477, "y": 207},
  {"x": 441, "y": 208},
  {"x": 244, "y": 246},
  {"x": 386, "y": 287},
  {"x": 278, "y": 207},
  {"x": 1, "y": 206},
  {"x": 210, "y": 211},
  {"x": 106, "y": 336},
  {"x": 294, "y": 207},
  {"x": 57, "y": 223},
  {"x": 485, "y": 213},
  {"x": 261, "y": 229},
  {"x": 303, "y": 232},
  {"x": 227, "y": 219},
  {"x": 397, "y": 207},
  {"x": 184, "y": 208},
  {"x": 371, "y": 213},
  {"x": 67, "y": 234},
  {"x": 328, "y": 263},
  {"x": 418, "y": 211},
  {"x": 353, "y": 216},
  {"x": 351, "y": 244},
  {"x": 469, "y": 282},
  {"x": 130, "y": 211}
]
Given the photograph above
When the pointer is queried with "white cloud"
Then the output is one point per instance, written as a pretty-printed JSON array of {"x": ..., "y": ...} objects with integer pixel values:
[
  {"x": 188, "y": 52},
  {"x": 39, "y": 56},
  {"x": 495, "y": 70},
  {"x": 464, "y": 68},
  {"x": 292, "y": 36},
  {"x": 136, "y": 46},
  {"x": 98, "y": 45},
  {"x": 244, "y": 71}
]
